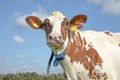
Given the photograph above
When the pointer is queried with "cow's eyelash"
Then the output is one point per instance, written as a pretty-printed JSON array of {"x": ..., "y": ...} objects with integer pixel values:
[{"x": 46, "y": 24}]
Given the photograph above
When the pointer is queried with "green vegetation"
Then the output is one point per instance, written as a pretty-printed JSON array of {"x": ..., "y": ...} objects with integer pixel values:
[{"x": 31, "y": 76}]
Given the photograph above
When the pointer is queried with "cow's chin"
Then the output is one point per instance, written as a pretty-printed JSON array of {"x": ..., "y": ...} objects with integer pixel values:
[{"x": 54, "y": 45}]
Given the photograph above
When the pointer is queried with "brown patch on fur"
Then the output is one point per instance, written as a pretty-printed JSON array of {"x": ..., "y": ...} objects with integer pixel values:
[
  {"x": 119, "y": 45},
  {"x": 82, "y": 55},
  {"x": 98, "y": 76},
  {"x": 47, "y": 27},
  {"x": 108, "y": 33},
  {"x": 64, "y": 28}
]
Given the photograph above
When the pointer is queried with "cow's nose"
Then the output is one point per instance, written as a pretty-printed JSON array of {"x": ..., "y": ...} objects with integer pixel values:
[{"x": 55, "y": 37}]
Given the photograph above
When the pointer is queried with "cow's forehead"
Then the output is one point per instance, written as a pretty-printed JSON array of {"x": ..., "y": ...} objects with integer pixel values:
[
  {"x": 56, "y": 14},
  {"x": 56, "y": 19}
]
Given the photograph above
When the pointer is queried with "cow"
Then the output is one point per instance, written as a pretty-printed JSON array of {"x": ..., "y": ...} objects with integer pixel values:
[{"x": 83, "y": 55}]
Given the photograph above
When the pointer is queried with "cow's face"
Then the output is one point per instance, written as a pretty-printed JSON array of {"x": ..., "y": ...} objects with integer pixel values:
[{"x": 56, "y": 27}]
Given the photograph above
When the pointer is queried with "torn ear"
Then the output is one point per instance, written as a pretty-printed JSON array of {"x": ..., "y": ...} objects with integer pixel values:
[
  {"x": 34, "y": 22},
  {"x": 75, "y": 21}
]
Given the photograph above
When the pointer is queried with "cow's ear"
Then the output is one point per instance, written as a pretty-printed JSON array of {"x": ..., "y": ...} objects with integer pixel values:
[
  {"x": 75, "y": 21},
  {"x": 34, "y": 22}
]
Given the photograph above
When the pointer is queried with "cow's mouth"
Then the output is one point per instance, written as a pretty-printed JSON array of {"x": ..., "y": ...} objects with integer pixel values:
[{"x": 55, "y": 44}]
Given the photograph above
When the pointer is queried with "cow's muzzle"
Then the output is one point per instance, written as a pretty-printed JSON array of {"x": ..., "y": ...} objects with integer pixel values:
[{"x": 55, "y": 40}]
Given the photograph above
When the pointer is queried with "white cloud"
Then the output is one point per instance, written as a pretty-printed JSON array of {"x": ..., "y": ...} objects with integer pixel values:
[
  {"x": 18, "y": 39},
  {"x": 112, "y": 7},
  {"x": 19, "y": 56},
  {"x": 108, "y": 6},
  {"x": 96, "y": 1},
  {"x": 21, "y": 21},
  {"x": 40, "y": 12}
]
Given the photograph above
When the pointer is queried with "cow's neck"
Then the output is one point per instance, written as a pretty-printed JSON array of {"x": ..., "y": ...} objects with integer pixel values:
[{"x": 66, "y": 63}]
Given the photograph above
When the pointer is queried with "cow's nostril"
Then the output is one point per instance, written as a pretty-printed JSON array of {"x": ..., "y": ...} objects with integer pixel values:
[
  {"x": 60, "y": 37},
  {"x": 50, "y": 37}
]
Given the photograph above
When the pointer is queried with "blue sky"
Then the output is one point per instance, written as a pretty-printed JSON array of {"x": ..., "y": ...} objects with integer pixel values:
[{"x": 24, "y": 49}]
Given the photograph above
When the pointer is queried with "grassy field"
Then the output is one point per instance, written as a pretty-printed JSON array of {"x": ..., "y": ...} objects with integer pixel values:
[{"x": 32, "y": 76}]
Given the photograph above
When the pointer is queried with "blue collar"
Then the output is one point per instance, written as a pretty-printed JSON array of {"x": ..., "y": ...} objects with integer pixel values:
[{"x": 58, "y": 58}]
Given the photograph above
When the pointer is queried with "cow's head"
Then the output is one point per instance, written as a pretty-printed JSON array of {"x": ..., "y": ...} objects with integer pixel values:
[{"x": 56, "y": 27}]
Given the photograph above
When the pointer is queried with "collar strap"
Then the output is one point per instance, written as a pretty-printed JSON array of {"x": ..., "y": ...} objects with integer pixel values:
[{"x": 49, "y": 63}]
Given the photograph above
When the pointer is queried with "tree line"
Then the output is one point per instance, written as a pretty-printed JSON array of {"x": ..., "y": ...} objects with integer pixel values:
[{"x": 32, "y": 76}]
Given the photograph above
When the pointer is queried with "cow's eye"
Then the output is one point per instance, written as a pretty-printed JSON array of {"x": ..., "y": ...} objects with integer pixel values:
[
  {"x": 66, "y": 23},
  {"x": 46, "y": 24}
]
